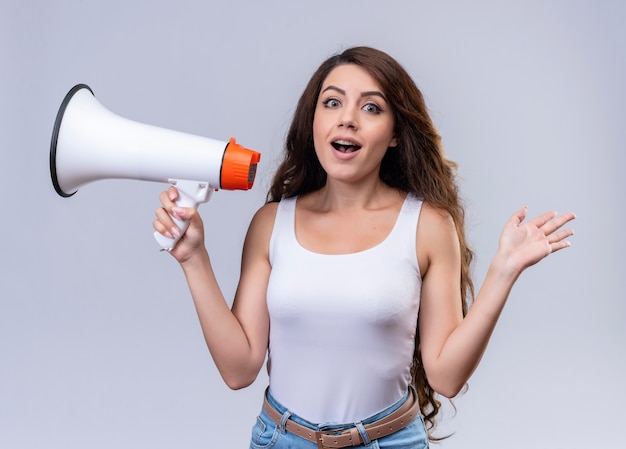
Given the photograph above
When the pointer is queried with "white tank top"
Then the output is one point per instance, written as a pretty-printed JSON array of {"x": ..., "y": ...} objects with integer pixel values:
[{"x": 342, "y": 327}]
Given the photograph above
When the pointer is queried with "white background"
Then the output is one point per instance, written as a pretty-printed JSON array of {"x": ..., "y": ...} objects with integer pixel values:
[{"x": 99, "y": 342}]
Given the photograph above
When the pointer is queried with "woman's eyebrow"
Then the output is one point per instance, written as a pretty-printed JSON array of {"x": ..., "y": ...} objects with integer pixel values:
[
  {"x": 368, "y": 93},
  {"x": 341, "y": 91}
]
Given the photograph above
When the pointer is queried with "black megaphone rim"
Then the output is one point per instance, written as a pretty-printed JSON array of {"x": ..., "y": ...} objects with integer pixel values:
[{"x": 55, "y": 137}]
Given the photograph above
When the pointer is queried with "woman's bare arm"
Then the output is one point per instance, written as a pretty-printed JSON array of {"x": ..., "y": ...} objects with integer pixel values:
[
  {"x": 452, "y": 346},
  {"x": 237, "y": 338}
]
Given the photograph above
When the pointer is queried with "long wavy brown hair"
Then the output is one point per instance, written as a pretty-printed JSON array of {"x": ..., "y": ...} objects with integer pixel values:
[{"x": 418, "y": 164}]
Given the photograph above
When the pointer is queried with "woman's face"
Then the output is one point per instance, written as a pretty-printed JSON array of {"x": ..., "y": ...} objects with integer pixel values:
[{"x": 353, "y": 124}]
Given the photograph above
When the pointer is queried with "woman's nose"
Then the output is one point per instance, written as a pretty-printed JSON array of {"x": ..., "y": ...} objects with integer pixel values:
[{"x": 348, "y": 118}]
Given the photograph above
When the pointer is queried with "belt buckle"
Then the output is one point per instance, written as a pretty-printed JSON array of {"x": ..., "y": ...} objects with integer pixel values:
[
  {"x": 318, "y": 439},
  {"x": 319, "y": 435}
]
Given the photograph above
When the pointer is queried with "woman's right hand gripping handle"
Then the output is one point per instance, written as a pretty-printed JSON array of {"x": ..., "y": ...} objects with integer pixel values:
[{"x": 192, "y": 240}]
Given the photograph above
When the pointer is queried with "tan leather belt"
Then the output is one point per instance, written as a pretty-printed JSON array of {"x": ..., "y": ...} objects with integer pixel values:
[{"x": 351, "y": 437}]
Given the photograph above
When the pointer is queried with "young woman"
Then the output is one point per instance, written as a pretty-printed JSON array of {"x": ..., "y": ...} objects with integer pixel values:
[{"x": 355, "y": 275}]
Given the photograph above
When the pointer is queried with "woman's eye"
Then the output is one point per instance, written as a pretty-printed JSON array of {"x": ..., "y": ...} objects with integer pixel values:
[
  {"x": 373, "y": 108},
  {"x": 331, "y": 103}
]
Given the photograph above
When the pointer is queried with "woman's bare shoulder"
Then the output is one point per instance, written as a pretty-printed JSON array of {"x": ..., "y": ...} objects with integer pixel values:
[
  {"x": 433, "y": 218},
  {"x": 262, "y": 222},
  {"x": 436, "y": 234},
  {"x": 268, "y": 210}
]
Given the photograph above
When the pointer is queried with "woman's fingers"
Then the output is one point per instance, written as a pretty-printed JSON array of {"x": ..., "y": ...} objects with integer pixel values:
[
  {"x": 553, "y": 225},
  {"x": 549, "y": 222},
  {"x": 543, "y": 219},
  {"x": 172, "y": 193},
  {"x": 164, "y": 223},
  {"x": 557, "y": 239}
]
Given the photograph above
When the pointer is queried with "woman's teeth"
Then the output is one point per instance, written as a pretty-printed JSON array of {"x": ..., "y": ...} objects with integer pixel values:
[{"x": 345, "y": 146}]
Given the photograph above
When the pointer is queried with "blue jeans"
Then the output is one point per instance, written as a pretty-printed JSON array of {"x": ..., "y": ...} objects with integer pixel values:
[{"x": 266, "y": 434}]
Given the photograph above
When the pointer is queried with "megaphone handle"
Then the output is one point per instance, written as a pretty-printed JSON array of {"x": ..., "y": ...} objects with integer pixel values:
[{"x": 190, "y": 194}]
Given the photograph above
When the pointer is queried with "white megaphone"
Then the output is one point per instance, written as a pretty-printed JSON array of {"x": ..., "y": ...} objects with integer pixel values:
[{"x": 90, "y": 143}]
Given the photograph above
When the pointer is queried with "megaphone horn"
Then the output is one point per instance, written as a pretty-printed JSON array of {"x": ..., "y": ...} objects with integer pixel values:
[{"x": 90, "y": 143}]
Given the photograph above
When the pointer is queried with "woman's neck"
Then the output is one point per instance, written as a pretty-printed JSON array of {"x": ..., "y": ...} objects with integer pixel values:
[{"x": 344, "y": 197}]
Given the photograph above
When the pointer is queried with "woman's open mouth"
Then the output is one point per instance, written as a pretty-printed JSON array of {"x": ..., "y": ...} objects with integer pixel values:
[{"x": 345, "y": 146}]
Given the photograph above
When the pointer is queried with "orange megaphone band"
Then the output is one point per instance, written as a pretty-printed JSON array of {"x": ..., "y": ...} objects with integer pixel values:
[{"x": 238, "y": 167}]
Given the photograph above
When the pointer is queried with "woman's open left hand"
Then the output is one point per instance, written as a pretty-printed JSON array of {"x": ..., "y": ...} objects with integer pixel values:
[{"x": 526, "y": 243}]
